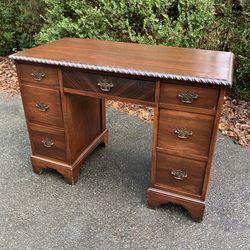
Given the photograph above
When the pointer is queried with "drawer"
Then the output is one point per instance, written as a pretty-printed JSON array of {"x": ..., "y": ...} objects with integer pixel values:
[
  {"x": 180, "y": 174},
  {"x": 38, "y": 75},
  {"x": 110, "y": 86},
  {"x": 42, "y": 105},
  {"x": 189, "y": 96},
  {"x": 47, "y": 141},
  {"x": 186, "y": 133}
]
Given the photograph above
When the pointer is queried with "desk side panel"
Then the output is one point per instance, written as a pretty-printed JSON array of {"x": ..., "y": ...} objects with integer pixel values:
[{"x": 83, "y": 122}]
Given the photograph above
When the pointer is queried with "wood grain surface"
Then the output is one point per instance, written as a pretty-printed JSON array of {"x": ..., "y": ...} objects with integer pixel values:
[
  {"x": 32, "y": 96},
  {"x": 209, "y": 64},
  {"x": 195, "y": 171},
  {"x": 122, "y": 87},
  {"x": 50, "y": 78},
  {"x": 200, "y": 125}
]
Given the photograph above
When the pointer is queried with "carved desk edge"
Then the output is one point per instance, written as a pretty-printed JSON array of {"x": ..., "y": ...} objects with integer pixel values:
[{"x": 129, "y": 71}]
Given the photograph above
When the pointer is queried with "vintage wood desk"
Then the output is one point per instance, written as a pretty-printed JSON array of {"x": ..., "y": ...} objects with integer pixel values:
[{"x": 64, "y": 85}]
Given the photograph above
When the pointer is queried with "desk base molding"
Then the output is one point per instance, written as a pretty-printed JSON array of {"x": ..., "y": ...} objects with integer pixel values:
[{"x": 157, "y": 197}]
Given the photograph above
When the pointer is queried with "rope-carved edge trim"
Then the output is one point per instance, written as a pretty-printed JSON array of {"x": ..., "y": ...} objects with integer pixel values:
[{"x": 121, "y": 70}]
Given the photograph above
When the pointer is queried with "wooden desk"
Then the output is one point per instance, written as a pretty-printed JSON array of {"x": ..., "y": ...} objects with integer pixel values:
[{"x": 64, "y": 85}]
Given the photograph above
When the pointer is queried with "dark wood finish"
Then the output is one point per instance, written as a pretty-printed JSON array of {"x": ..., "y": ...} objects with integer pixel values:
[
  {"x": 32, "y": 96},
  {"x": 76, "y": 120},
  {"x": 157, "y": 197},
  {"x": 38, "y": 133},
  {"x": 155, "y": 132},
  {"x": 213, "y": 141},
  {"x": 122, "y": 87},
  {"x": 195, "y": 170},
  {"x": 181, "y": 154},
  {"x": 69, "y": 172},
  {"x": 200, "y": 125},
  {"x": 85, "y": 130},
  {"x": 207, "y": 96},
  {"x": 103, "y": 96},
  {"x": 150, "y": 58},
  {"x": 50, "y": 78}
]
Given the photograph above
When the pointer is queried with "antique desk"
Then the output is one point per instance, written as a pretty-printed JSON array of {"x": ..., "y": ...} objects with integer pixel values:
[{"x": 64, "y": 85}]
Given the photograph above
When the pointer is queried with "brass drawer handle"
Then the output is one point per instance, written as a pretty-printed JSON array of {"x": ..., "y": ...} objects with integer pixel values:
[
  {"x": 105, "y": 85},
  {"x": 37, "y": 75},
  {"x": 183, "y": 133},
  {"x": 43, "y": 107},
  {"x": 179, "y": 174},
  {"x": 188, "y": 97},
  {"x": 48, "y": 143}
]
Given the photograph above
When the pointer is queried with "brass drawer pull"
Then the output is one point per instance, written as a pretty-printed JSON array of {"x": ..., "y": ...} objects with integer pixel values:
[
  {"x": 42, "y": 106},
  {"x": 105, "y": 85},
  {"x": 188, "y": 97},
  {"x": 179, "y": 174},
  {"x": 37, "y": 75},
  {"x": 48, "y": 143},
  {"x": 183, "y": 133}
]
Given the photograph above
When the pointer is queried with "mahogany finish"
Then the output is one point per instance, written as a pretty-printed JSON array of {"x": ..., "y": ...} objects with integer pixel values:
[
  {"x": 149, "y": 58},
  {"x": 85, "y": 130},
  {"x": 55, "y": 145},
  {"x": 121, "y": 87},
  {"x": 64, "y": 85},
  {"x": 207, "y": 96},
  {"x": 192, "y": 182},
  {"x": 42, "y": 105},
  {"x": 200, "y": 125},
  {"x": 30, "y": 74}
]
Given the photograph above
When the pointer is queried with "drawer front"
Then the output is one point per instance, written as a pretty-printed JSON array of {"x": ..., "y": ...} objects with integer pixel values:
[
  {"x": 48, "y": 142},
  {"x": 189, "y": 96},
  {"x": 187, "y": 133},
  {"x": 110, "y": 86},
  {"x": 38, "y": 75},
  {"x": 180, "y": 174},
  {"x": 42, "y": 105}
]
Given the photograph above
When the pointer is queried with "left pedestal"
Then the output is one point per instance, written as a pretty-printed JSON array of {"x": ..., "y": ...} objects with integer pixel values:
[{"x": 63, "y": 128}]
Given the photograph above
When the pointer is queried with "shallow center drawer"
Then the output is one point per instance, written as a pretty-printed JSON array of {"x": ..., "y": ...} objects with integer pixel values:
[
  {"x": 42, "y": 105},
  {"x": 106, "y": 85},
  {"x": 186, "y": 133}
]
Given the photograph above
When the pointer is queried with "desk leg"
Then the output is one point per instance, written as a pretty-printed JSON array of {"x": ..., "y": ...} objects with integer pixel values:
[
  {"x": 157, "y": 197},
  {"x": 103, "y": 120}
]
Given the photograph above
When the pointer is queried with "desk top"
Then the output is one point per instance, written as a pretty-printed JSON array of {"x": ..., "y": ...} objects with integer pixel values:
[{"x": 196, "y": 65}]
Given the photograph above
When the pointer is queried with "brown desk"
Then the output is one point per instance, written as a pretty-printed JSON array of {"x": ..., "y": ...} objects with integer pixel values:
[{"x": 64, "y": 85}]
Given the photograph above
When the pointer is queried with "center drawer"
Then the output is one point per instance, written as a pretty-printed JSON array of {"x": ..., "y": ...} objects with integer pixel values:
[
  {"x": 184, "y": 132},
  {"x": 106, "y": 85}
]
